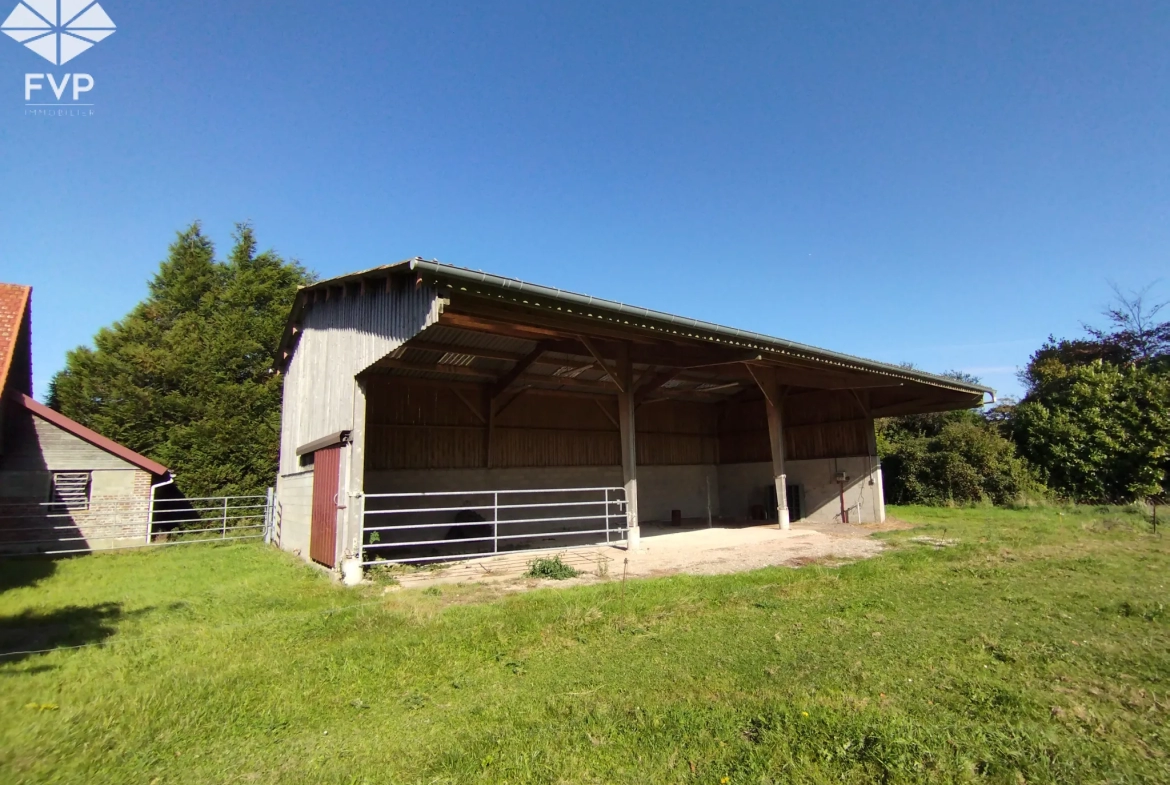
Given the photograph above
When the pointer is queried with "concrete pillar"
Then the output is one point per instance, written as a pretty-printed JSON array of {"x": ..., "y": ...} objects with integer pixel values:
[{"x": 625, "y": 379}]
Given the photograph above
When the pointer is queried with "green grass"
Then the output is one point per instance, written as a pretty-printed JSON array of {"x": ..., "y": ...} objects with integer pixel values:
[{"x": 1035, "y": 649}]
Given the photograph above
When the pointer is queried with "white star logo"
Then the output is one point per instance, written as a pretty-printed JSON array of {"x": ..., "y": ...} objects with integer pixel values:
[{"x": 58, "y": 30}]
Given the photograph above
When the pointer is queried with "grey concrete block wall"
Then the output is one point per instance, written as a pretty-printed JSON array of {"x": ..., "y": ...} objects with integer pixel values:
[
  {"x": 742, "y": 485},
  {"x": 294, "y": 499}
]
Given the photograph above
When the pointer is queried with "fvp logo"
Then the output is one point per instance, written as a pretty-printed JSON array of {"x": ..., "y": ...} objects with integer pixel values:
[{"x": 58, "y": 30}]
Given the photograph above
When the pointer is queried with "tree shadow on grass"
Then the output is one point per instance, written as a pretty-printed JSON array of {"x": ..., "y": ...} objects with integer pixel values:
[
  {"x": 33, "y": 632},
  {"x": 15, "y": 573}
]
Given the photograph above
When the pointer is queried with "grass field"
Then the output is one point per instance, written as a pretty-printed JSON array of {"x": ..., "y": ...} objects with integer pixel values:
[{"x": 1036, "y": 648}]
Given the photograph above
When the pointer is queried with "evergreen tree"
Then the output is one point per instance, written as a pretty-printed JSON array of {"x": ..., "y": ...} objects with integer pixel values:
[{"x": 186, "y": 377}]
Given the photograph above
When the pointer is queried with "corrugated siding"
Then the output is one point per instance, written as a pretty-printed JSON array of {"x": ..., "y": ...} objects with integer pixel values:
[{"x": 340, "y": 338}]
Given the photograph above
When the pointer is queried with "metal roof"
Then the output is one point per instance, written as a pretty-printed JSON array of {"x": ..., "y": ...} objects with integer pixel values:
[{"x": 535, "y": 295}]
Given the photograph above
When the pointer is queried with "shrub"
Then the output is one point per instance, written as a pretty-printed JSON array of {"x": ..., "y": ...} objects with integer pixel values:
[
  {"x": 966, "y": 461},
  {"x": 552, "y": 568}
]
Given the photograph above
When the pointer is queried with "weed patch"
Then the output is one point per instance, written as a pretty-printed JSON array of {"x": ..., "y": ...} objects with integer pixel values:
[{"x": 553, "y": 568}]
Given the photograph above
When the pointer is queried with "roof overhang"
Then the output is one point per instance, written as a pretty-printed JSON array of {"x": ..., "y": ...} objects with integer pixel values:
[{"x": 551, "y": 329}]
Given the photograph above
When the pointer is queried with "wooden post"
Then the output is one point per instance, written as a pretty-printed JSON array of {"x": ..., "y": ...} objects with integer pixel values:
[
  {"x": 625, "y": 371},
  {"x": 773, "y": 401},
  {"x": 879, "y": 491},
  {"x": 489, "y": 404},
  {"x": 351, "y": 494}
]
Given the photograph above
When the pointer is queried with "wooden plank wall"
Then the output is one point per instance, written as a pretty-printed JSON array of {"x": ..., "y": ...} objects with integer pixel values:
[
  {"x": 824, "y": 425},
  {"x": 419, "y": 424}
]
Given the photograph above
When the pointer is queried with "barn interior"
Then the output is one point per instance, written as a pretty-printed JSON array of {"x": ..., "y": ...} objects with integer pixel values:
[{"x": 517, "y": 388}]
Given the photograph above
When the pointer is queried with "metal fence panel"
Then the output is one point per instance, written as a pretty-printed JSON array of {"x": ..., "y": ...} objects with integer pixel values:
[
  {"x": 59, "y": 528},
  {"x": 404, "y": 528}
]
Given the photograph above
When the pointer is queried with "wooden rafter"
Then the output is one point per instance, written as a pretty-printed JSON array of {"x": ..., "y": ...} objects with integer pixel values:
[
  {"x": 653, "y": 384},
  {"x": 606, "y": 412},
  {"x": 766, "y": 381},
  {"x": 505, "y": 381},
  {"x": 470, "y": 407},
  {"x": 487, "y": 354},
  {"x": 587, "y": 342}
]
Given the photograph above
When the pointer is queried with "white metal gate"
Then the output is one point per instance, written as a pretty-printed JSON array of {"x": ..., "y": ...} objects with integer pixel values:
[
  {"x": 82, "y": 526},
  {"x": 450, "y": 525}
]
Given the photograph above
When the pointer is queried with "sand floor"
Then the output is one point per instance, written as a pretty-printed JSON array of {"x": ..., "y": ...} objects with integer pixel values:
[{"x": 692, "y": 549}]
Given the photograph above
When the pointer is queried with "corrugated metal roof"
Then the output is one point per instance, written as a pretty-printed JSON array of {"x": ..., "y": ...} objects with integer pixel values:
[{"x": 504, "y": 289}]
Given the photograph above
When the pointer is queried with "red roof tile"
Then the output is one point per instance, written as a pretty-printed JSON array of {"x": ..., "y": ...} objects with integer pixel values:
[
  {"x": 14, "y": 306},
  {"x": 16, "y": 355}
]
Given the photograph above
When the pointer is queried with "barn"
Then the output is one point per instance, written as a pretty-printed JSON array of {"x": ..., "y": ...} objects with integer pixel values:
[
  {"x": 63, "y": 487},
  {"x": 434, "y": 412}
]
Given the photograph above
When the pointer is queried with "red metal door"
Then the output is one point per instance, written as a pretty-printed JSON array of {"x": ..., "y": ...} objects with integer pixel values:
[{"x": 326, "y": 479}]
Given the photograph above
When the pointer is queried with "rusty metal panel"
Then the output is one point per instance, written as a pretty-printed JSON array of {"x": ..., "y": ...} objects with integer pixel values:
[{"x": 326, "y": 482}]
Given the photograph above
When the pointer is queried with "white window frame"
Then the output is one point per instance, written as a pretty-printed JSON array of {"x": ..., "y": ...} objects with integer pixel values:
[{"x": 71, "y": 489}]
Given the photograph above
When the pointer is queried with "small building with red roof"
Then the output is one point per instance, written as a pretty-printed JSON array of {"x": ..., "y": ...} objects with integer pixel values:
[{"x": 64, "y": 488}]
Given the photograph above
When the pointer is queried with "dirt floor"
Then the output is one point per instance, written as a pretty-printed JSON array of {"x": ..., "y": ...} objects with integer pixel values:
[{"x": 665, "y": 550}]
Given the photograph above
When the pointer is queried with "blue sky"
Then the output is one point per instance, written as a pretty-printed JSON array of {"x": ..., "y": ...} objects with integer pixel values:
[{"x": 933, "y": 182}]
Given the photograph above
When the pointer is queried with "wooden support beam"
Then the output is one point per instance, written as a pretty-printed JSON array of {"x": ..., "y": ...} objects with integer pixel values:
[
  {"x": 461, "y": 371},
  {"x": 920, "y": 406},
  {"x": 499, "y": 410},
  {"x": 766, "y": 380},
  {"x": 489, "y": 426},
  {"x": 769, "y": 385},
  {"x": 606, "y": 412},
  {"x": 588, "y": 344},
  {"x": 470, "y": 407},
  {"x": 628, "y": 428},
  {"x": 524, "y": 332},
  {"x": 517, "y": 371},
  {"x": 653, "y": 384},
  {"x": 862, "y": 405},
  {"x": 825, "y": 380},
  {"x": 558, "y": 323},
  {"x": 487, "y": 354}
]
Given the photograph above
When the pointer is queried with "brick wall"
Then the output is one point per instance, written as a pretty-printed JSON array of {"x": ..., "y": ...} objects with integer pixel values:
[{"x": 118, "y": 515}]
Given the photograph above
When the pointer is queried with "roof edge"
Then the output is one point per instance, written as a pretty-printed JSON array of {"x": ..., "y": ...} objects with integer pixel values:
[
  {"x": 288, "y": 339},
  {"x": 766, "y": 342},
  {"x": 93, "y": 437}
]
